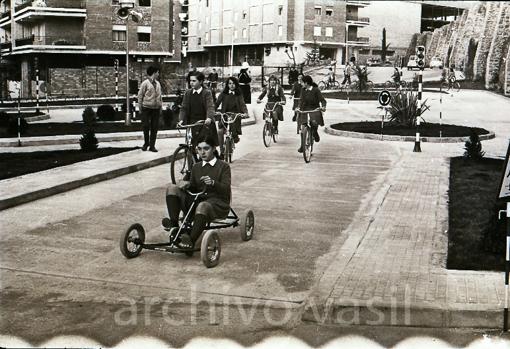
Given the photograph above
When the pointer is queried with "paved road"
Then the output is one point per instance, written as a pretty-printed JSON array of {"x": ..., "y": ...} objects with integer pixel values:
[{"x": 67, "y": 245}]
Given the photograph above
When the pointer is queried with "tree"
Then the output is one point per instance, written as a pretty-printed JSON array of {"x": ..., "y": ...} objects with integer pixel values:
[
  {"x": 384, "y": 47},
  {"x": 313, "y": 56}
]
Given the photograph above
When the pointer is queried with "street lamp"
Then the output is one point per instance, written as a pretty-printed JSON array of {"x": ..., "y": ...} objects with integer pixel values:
[
  {"x": 232, "y": 51},
  {"x": 126, "y": 10}
]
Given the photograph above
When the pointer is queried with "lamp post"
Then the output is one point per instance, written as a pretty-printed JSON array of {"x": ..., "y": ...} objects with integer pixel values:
[
  {"x": 126, "y": 10},
  {"x": 232, "y": 51}
]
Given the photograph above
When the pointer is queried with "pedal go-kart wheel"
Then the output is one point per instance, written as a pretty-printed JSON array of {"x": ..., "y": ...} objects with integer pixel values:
[
  {"x": 247, "y": 225},
  {"x": 131, "y": 241},
  {"x": 210, "y": 249}
]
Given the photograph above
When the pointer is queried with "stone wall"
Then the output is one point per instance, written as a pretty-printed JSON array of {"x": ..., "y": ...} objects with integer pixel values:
[{"x": 476, "y": 43}]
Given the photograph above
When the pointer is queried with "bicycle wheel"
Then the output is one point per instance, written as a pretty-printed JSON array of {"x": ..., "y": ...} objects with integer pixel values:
[
  {"x": 267, "y": 133},
  {"x": 321, "y": 85},
  {"x": 182, "y": 162},
  {"x": 445, "y": 86},
  {"x": 228, "y": 149},
  {"x": 306, "y": 143},
  {"x": 456, "y": 86},
  {"x": 275, "y": 135},
  {"x": 336, "y": 85}
]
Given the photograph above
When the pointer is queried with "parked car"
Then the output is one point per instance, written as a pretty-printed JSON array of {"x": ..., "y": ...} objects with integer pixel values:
[
  {"x": 411, "y": 63},
  {"x": 436, "y": 62},
  {"x": 373, "y": 62}
]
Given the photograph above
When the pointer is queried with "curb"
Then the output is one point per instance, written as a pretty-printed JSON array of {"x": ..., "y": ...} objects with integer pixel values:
[
  {"x": 349, "y": 312},
  {"x": 108, "y": 174},
  {"x": 60, "y": 188},
  {"x": 384, "y": 137},
  {"x": 105, "y": 137}
]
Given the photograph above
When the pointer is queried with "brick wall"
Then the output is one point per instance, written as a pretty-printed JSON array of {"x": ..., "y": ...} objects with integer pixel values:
[
  {"x": 492, "y": 9},
  {"x": 100, "y": 81}
]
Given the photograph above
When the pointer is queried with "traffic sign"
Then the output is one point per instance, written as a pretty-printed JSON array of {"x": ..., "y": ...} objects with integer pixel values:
[
  {"x": 504, "y": 188},
  {"x": 384, "y": 98}
]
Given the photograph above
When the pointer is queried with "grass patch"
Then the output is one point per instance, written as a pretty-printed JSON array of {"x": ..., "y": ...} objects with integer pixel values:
[
  {"x": 476, "y": 238},
  {"x": 75, "y": 128},
  {"x": 426, "y": 129},
  {"x": 17, "y": 164}
]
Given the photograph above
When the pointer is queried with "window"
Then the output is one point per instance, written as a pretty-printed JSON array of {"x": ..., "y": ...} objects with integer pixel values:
[
  {"x": 245, "y": 33},
  {"x": 119, "y": 33},
  {"x": 146, "y": 3},
  {"x": 318, "y": 11},
  {"x": 329, "y": 31},
  {"x": 244, "y": 14},
  {"x": 207, "y": 37},
  {"x": 280, "y": 10},
  {"x": 280, "y": 30},
  {"x": 329, "y": 12},
  {"x": 199, "y": 41},
  {"x": 144, "y": 34},
  {"x": 317, "y": 31},
  {"x": 115, "y": 2}
]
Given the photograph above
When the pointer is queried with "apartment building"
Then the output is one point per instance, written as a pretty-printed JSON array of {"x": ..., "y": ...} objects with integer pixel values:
[
  {"x": 272, "y": 32},
  {"x": 74, "y": 43}
]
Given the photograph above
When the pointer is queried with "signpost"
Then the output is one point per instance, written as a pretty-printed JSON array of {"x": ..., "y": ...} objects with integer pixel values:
[
  {"x": 384, "y": 99},
  {"x": 504, "y": 195}
]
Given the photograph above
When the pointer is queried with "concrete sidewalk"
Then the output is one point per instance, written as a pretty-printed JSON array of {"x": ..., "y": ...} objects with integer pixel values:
[{"x": 33, "y": 186}]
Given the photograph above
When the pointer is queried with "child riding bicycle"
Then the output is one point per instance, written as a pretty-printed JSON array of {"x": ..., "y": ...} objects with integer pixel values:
[
  {"x": 311, "y": 98},
  {"x": 231, "y": 100},
  {"x": 274, "y": 94}
]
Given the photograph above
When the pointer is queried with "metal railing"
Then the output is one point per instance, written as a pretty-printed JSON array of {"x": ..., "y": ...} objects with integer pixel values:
[
  {"x": 5, "y": 45},
  {"x": 358, "y": 19},
  {"x": 354, "y": 2},
  {"x": 361, "y": 39},
  {"x": 6, "y": 14},
  {"x": 80, "y": 4},
  {"x": 60, "y": 40}
]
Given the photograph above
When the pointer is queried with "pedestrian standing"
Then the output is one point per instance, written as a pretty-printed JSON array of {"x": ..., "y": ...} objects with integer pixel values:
[
  {"x": 244, "y": 82},
  {"x": 150, "y": 102}
]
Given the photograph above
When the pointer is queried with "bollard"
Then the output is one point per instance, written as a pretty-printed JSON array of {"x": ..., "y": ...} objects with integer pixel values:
[
  {"x": 37, "y": 91},
  {"x": 417, "y": 143}
]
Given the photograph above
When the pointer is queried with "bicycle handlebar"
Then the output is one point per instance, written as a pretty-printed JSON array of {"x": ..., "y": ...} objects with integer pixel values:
[
  {"x": 274, "y": 106},
  {"x": 235, "y": 116},
  {"x": 308, "y": 111},
  {"x": 198, "y": 123},
  {"x": 197, "y": 194}
]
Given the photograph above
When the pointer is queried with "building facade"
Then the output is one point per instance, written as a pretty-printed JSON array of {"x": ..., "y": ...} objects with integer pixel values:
[
  {"x": 267, "y": 32},
  {"x": 74, "y": 44}
]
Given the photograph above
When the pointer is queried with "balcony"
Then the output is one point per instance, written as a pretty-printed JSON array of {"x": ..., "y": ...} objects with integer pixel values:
[
  {"x": 26, "y": 12},
  {"x": 6, "y": 14},
  {"x": 5, "y": 46},
  {"x": 56, "y": 42},
  {"x": 358, "y": 3},
  {"x": 358, "y": 41},
  {"x": 5, "y": 19},
  {"x": 355, "y": 20}
]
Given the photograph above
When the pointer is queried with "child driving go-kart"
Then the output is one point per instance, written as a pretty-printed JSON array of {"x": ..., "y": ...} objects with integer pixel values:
[{"x": 211, "y": 176}]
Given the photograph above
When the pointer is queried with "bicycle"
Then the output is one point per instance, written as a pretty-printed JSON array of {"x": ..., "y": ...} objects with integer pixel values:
[
  {"x": 184, "y": 156},
  {"x": 228, "y": 143},
  {"x": 306, "y": 134},
  {"x": 450, "y": 84},
  {"x": 328, "y": 85},
  {"x": 269, "y": 132},
  {"x": 394, "y": 84}
]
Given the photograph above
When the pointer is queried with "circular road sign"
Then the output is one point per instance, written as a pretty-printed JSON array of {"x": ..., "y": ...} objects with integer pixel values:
[{"x": 384, "y": 98}]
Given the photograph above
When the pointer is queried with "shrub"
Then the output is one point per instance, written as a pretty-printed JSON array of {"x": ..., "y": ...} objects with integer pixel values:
[
  {"x": 404, "y": 110},
  {"x": 473, "y": 147},
  {"x": 88, "y": 116},
  {"x": 12, "y": 128},
  {"x": 362, "y": 74},
  {"x": 88, "y": 142},
  {"x": 106, "y": 112}
]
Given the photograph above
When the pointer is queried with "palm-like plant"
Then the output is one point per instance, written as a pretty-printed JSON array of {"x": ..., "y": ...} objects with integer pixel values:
[
  {"x": 404, "y": 109},
  {"x": 362, "y": 74}
]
